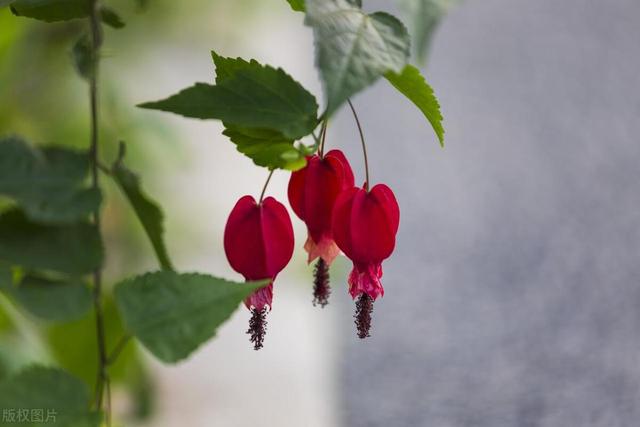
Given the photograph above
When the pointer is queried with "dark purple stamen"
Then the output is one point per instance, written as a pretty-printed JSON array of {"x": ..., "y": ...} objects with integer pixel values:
[
  {"x": 321, "y": 287},
  {"x": 257, "y": 327},
  {"x": 364, "y": 308}
]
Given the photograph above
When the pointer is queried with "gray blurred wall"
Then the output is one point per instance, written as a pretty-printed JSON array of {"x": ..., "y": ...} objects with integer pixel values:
[{"x": 513, "y": 297}]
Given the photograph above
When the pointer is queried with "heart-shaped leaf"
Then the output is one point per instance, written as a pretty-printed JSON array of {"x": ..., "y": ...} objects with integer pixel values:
[
  {"x": 354, "y": 49},
  {"x": 173, "y": 314}
]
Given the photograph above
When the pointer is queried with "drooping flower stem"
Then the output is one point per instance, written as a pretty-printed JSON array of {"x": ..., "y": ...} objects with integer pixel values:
[
  {"x": 264, "y": 189},
  {"x": 364, "y": 308},
  {"x": 257, "y": 327},
  {"x": 364, "y": 146},
  {"x": 321, "y": 287},
  {"x": 323, "y": 135},
  {"x": 102, "y": 378}
]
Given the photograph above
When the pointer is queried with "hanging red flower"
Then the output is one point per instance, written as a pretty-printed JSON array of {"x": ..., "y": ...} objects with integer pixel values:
[
  {"x": 365, "y": 224},
  {"x": 312, "y": 192},
  {"x": 258, "y": 242}
]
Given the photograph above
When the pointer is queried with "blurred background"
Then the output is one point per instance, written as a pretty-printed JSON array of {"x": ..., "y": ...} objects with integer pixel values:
[{"x": 512, "y": 297}]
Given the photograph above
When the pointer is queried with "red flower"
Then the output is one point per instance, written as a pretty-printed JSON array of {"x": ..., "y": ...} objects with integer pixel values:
[
  {"x": 312, "y": 194},
  {"x": 258, "y": 242},
  {"x": 365, "y": 224}
]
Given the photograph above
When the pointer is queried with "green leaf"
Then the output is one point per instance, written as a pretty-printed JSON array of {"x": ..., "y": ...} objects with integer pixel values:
[
  {"x": 297, "y": 5},
  {"x": 63, "y": 399},
  {"x": 5, "y": 3},
  {"x": 424, "y": 17},
  {"x": 413, "y": 85},
  {"x": 228, "y": 67},
  {"x": 146, "y": 209},
  {"x": 6, "y": 276},
  {"x": 47, "y": 183},
  {"x": 84, "y": 60},
  {"x": 354, "y": 49},
  {"x": 267, "y": 148},
  {"x": 252, "y": 96},
  {"x": 52, "y": 300},
  {"x": 51, "y": 10},
  {"x": 63, "y": 10},
  {"x": 74, "y": 249},
  {"x": 173, "y": 314},
  {"x": 111, "y": 18}
]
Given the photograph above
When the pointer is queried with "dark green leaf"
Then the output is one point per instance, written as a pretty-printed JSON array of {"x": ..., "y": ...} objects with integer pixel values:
[
  {"x": 51, "y": 10},
  {"x": 4, "y": 3},
  {"x": 83, "y": 57},
  {"x": 297, "y": 5},
  {"x": 6, "y": 276},
  {"x": 266, "y": 147},
  {"x": 111, "y": 18},
  {"x": 146, "y": 209},
  {"x": 51, "y": 299},
  {"x": 228, "y": 67},
  {"x": 173, "y": 314},
  {"x": 413, "y": 85},
  {"x": 354, "y": 49},
  {"x": 251, "y": 96},
  {"x": 73, "y": 249},
  {"x": 47, "y": 183},
  {"x": 63, "y": 399},
  {"x": 63, "y": 10},
  {"x": 424, "y": 17}
]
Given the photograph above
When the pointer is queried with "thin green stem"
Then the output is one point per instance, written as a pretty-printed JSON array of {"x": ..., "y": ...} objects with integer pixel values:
[
  {"x": 364, "y": 146},
  {"x": 120, "y": 346},
  {"x": 323, "y": 136},
  {"x": 102, "y": 377},
  {"x": 264, "y": 189}
]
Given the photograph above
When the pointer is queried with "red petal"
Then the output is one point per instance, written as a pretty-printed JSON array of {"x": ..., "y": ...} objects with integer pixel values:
[
  {"x": 277, "y": 233},
  {"x": 341, "y": 220},
  {"x": 365, "y": 224},
  {"x": 365, "y": 279},
  {"x": 314, "y": 189},
  {"x": 258, "y": 239}
]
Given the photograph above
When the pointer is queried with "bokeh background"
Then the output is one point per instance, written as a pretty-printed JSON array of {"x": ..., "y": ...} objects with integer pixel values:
[{"x": 513, "y": 295}]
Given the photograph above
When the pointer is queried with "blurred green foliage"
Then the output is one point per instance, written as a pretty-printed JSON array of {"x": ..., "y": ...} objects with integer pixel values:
[{"x": 44, "y": 100}]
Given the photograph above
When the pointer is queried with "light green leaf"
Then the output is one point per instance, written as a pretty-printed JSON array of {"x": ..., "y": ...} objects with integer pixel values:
[
  {"x": 266, "y": 148},
  {"x": 297, "y": 5},
  {"x": 413, "y": 85},
  {"x": 146, "y": 209},
  {"x": 51, "y": 299},
  {"x": 173, "y": 314},
  {"x": 253, "y": 96},
  {"x": 47, "y": 183},
  {"x": 63, "y": 399},
  {"x": 424, "y": 17},
  {"x": 74, "y": 249},
  {"x": 354, "y": 49}
]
